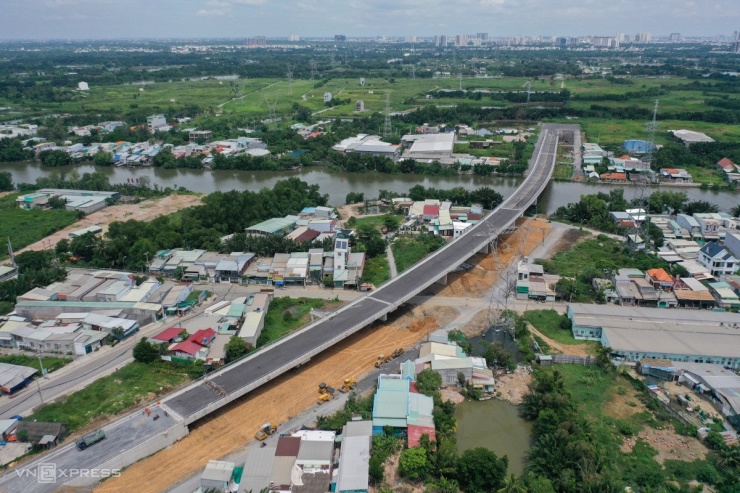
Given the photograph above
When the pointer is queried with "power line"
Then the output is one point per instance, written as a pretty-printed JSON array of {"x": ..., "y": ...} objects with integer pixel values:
[{"x": 387, "y": 123}]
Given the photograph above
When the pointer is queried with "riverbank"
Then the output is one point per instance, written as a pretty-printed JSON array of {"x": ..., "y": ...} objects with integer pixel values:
[{"x": 338, "y": 185}]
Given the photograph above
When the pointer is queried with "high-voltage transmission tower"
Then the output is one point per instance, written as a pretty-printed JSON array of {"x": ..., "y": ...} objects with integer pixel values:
[
  {"x": 313, "y": 69},
  {"x": 387, "y": 123},
  {"x": 273, "y": 117},
  {"x": 290, "y": 79},
  {"x": 528, "y": 84},
  {"x": 642, "y": 194}
]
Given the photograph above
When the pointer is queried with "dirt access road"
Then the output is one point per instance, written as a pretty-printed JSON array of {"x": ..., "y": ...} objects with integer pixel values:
[
  {"x": 287, "y": 396},
  {"x": 143, "y": 211}
]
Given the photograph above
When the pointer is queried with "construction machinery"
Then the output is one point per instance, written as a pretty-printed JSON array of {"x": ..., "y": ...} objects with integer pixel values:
[
  {"x": 349, "y": 384},
  {"x": 265, "y": 431},
  {"x": 322, "y": 388},
  {"x": 382, "y": 359},
  {"x": 398, "y": 352},
  {"x": 325, "y": 398}
]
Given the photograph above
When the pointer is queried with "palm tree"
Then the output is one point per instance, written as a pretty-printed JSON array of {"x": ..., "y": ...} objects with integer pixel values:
[
  {"x": 513, "y": 485},
  {"x": 604, "y": 356}
]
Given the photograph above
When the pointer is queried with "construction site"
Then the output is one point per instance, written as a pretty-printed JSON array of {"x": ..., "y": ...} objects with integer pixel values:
[{"x": 229, "y": 429}]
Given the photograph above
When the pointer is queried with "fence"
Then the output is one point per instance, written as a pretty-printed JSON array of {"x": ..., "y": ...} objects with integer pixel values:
[{"x": 558, "y": 359}]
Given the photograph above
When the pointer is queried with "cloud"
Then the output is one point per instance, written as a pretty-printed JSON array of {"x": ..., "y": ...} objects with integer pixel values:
[{"x": 211, "y": 13}]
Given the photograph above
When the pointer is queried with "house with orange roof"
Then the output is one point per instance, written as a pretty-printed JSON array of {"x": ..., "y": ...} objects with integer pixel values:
[
  {"x": 660, "y": 279},
  {"x": 614, "y": 176}
]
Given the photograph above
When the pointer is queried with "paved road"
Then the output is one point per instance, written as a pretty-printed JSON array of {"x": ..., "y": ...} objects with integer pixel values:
[
  {"x": 265, "y": 364},
  {"x": 70, "y": 463}
]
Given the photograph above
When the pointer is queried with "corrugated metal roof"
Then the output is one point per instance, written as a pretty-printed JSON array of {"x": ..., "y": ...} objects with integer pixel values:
[{"x": 354, "y": 465}]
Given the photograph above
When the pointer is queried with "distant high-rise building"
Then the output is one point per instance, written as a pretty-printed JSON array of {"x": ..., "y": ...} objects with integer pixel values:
[
  {"x": 340, "y": 38},
  {"x": 256, "y": 41},
  {"x": 294, "y": 37},
  {"x": 736, "y": 47},
  {"x": 621, "y": 37},
  {"x": 411, "y": 39},
  {"x": 604, "y": 42},
  {"x": 675, "y": 37},
  {"x": 461, "y": 40},
  {"x": 482, "y": 38},
  {"x": 440, "y": 40},
  {"x": 561, "y": 42},
  {"x": 643, "y": 37}
]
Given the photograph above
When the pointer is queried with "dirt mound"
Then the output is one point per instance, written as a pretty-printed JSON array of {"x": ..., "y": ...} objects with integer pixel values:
[
  {"x": 478, "y": 280},
  {"x": 427, "y": 324}
]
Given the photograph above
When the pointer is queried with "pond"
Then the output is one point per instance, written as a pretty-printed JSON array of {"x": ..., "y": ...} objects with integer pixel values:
[{"x": 496, "y": 425}]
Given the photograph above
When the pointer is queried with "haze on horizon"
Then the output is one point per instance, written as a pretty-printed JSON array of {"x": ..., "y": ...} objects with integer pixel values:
[{"x": 117, "y": 19}]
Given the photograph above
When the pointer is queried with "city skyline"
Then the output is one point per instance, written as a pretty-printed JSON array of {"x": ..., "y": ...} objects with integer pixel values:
[{"x": 139, "y": 19}]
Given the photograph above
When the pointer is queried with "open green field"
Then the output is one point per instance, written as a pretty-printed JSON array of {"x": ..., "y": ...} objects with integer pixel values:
[
  {"x": 376, "y": 270},
  {"x": 409, "y": 250},
  {"x": 113, "y": 394},
  {"x": 610, "y": 131},
  {"x": 50, "y": 364},
  {"x": 25, "y": 227},
  {"x": 287, "y": 314},
  {"x": 549, "y": 323}
]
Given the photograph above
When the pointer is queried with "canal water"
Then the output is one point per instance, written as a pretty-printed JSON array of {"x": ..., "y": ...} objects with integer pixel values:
[
  {"x": 338, "y": 185},
  {"x": 496, "y": 425}
]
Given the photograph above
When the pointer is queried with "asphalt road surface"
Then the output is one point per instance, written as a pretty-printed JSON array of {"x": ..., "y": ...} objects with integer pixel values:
[{"x": 68, "y": 463}]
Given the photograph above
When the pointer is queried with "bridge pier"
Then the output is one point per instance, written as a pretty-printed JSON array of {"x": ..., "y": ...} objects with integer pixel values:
[
  {"x": 486, "y": 249},
  {"x": 384, "y": 317},
  {"x": 442, "y": 280}
]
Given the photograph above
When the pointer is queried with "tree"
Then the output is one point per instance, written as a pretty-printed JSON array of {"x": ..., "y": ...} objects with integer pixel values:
[
  {"x": 735, "y": 211},
  {"x": 62, "y": 247},
  {"x": 103, "y": 158},
  {"x": 145, "y": 352},
  {"x": 235, "y": 348},
  {"x": 513, "y": 485},
  {"x": 480, "y": 470},
  {"x": 428, "y": 382},
  {"x": 117, "y": 333},
  {"x": 699, "y": 206},
  {"x": 391, "y": 222},
  {"x": 6, "y": 182},
  {"x": 414, "y": 464},
  {"x": 32, "y": 260},
  {"x": 354, "y": 198}
]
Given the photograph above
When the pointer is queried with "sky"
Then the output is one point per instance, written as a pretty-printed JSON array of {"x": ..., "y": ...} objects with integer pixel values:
[{"x": 115, "y": 19}]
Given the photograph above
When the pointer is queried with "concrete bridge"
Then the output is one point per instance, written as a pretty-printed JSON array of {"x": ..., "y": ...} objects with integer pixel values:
[{"x": 135, "y": 436}]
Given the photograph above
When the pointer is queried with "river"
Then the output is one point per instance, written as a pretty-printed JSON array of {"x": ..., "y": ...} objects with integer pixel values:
[
  {"x": 338, "y": 185},
  {"x": 496, "y": 425}
]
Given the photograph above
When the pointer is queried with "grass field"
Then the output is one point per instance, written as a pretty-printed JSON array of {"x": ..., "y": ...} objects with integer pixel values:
[
  {"x": 50, "y": 364},
  {"x": 287, "y": 314},
  {"x": 548, "y": 322},
  {"x": 409, "y": 250},
  {"x": 376, "y": 270},
  {"x": 374, "y": 221},
  {"x": 6, "y": 307},
  {"x": 113, "y": 394},
  {"x": 25, "y": 227}
]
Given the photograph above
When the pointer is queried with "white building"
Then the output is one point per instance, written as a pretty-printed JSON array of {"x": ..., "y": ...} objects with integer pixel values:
[
  {"x": 83, "y": 86},
  {"x": 156, "y": 123},
  {"x": 717, "y": 259}
]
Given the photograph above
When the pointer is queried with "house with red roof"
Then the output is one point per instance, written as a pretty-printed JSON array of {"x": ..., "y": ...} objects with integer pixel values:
[
  {"x": 196, "y": 346},
  {"x": 431, "y": 212},
  {"x": 727, "y": 165},
  {"x": 168, "y": 335}
]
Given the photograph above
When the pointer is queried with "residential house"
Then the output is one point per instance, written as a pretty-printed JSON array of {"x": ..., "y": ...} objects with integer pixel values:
[
  {"x": 710, "y": 225},
  {"x": 717, "y": 259},
  {"x": 726, "y": 297},
  {"x": 660, "y": 279},
  {"x": 194, "y": 347}
]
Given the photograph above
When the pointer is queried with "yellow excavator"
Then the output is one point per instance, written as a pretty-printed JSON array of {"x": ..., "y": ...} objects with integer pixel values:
[
  {"x": 325, "y": 398},
  {"x": 349, "y": 384},
  {"x": 265, "y": 431},
  {"x": 398, "y": 352}
]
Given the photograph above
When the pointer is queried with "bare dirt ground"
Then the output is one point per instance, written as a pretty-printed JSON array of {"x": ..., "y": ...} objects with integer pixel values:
[
  {"x": 623, "y": 406},
  {"x": 143, "y": 211},
  {"x": 393, "y": 480},
  {"x": 478, "y": 280},
  {"x": 286, "y": 397},
  {"x": 570, "y": 238},
  {"x": 668, "y": 444},
  {"x": 477, "y": 326},
  {"x": 348, "y": 210},
  {"x": 451, "y": 395},
  {"x": 513, "y": 386},
  {"x": 3, "y": 194},
  {"x": 571, "y": 349}
]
